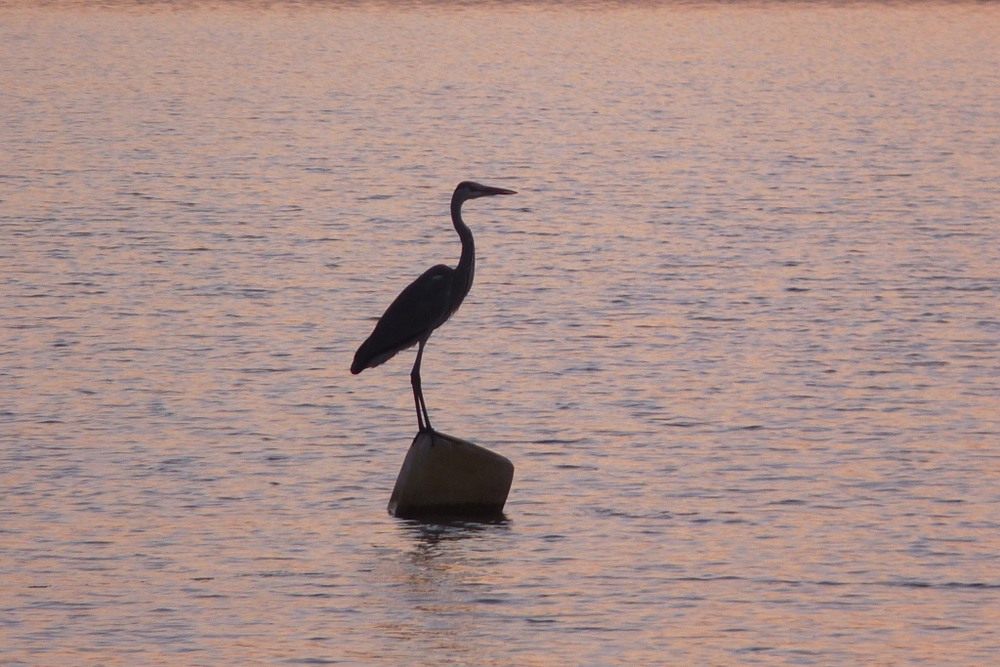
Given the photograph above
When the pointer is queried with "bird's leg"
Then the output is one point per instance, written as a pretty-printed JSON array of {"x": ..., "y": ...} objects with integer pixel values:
[{"x": 423, "y": 420}]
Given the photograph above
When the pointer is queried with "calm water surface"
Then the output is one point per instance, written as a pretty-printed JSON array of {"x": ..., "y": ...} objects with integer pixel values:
[{"x": 739, "y": 332}]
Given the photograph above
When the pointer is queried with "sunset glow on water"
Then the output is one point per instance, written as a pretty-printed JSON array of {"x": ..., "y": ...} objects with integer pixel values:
[{"x": 738, "y": 331}]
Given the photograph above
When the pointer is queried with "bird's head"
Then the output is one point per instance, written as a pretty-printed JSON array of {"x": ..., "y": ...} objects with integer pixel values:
[{"x": 469, "y": 190}]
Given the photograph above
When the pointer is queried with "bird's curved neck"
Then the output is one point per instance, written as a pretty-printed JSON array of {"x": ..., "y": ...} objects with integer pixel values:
[{"x": 467, "y": 263}]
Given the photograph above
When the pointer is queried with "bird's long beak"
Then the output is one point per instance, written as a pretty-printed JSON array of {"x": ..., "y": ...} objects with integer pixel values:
[{"x": 497, "y": 191}]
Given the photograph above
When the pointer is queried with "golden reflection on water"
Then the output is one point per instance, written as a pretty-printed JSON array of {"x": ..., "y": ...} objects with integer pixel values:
[{"x": 738, "y": 331}]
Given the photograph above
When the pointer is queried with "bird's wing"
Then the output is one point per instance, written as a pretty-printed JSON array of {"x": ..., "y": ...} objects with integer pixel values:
[{"x": 419, "y": 309}]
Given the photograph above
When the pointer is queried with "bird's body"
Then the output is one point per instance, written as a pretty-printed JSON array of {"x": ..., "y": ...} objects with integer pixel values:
[
  {"x": 417, "y": 310},
  {"x": 426, "y": 303}
]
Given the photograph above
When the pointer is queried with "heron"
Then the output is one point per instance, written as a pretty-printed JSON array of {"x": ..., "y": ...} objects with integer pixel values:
[{"x": 426, "y": 303}]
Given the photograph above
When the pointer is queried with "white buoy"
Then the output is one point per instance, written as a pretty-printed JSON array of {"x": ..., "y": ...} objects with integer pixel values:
[{"x": 444, "y": 476}]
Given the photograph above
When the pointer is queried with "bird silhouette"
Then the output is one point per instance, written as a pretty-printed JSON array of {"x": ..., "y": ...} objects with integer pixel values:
[{"x": 426, "y": 303}]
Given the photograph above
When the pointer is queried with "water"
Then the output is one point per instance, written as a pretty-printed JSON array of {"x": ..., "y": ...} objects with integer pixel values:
[{"x": 739, "y": 332}]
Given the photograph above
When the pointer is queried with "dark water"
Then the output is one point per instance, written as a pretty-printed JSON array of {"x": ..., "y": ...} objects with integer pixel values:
[{"x": 739, "y": 332}]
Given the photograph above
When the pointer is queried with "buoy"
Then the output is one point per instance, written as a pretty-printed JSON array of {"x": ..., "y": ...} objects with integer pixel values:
[{"x": 447, "y": 477}]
